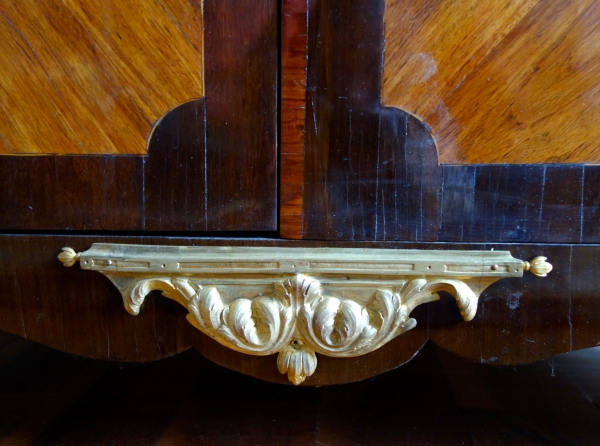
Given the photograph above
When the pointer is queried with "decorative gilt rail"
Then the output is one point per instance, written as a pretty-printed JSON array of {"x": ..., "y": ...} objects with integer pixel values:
[{"x": 296, "y": 302}]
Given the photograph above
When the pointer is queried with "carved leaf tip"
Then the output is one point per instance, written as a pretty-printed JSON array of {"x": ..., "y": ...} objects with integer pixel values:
[
  {"x": 538, "y": 266},
  {"x": 69, "y": 257},
  {"x": 298, "y": 361}
]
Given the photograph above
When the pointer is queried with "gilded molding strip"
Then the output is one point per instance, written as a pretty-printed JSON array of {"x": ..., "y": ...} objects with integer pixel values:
[{"x": 296, "y": 302}]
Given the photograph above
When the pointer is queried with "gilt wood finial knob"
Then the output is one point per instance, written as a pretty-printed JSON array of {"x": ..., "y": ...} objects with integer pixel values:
[
  {"x": 538, "y": 266},
  {"x": 69, "y": 257}
]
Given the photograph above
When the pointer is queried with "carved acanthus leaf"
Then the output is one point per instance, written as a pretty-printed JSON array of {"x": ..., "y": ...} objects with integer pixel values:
[
  {"x": 260, "y": 326},
  {"x": 343, "y": 327},
  {"x": 300, "y": 310}
]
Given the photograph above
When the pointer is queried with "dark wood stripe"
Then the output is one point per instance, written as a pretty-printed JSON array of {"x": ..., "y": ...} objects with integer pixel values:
[
  {"x": 590, "y": 231},
  {"x": 241, "y": 113},
  {"x": 585, "y": 283}
]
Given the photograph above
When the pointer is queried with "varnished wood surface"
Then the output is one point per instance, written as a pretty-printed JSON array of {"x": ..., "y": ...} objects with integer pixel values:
[
  {"x": 81, "y": 312},
  {"x": 48, "y": 397},
  {"x": 371, "y": 172},
  {"x": 498, "y": 81},
  {"x": 211, "y": 164},
  {"x": 241, "y": 112},
  {"x": 92, "y": 77},
  {"x": 293, "y": 115}
]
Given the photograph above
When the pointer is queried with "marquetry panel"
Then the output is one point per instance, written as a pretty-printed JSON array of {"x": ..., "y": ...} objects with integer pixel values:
[
  {"x": 498, "y": 81},
  {"x": 370, "y": 171},
  {"x": 93, "y": 76},
  {"x": 211, "y": 162}
]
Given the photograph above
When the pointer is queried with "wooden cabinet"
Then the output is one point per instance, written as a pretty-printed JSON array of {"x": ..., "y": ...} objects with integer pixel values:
[
  {"x": 401, "y": 125},
  {"x": 398, "y": 94}
]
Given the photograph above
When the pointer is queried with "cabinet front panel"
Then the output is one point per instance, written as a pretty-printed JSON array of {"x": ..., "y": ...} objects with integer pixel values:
[
  {"x": 372, "y": 172},
  {"x": 184, "y": 146}
]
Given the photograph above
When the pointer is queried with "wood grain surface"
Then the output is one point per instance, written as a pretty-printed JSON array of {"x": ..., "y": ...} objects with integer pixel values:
[
  {"x": 498, "y": 81},
  {"x": 92, "y": 77},
  {"x": 293, "y": 115},
  {"x": 241, "y": 112},
  {"x": 211, "y": 164},
  {"x": 518, "y": 320},
  {"x": 371, "y": 172}
]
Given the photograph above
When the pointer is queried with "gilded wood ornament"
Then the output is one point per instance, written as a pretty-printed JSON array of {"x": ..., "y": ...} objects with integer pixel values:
[{"x": 296, "y": 302}]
